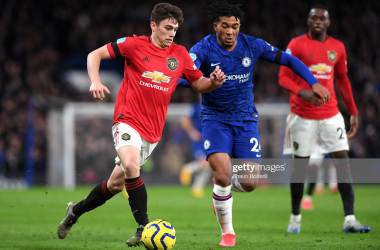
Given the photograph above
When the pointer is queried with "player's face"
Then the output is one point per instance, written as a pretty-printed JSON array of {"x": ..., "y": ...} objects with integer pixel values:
[
  {"x": 227, "y": 30},
  {"x": 164, "y": 33},
  {"x": 318, "y": 21}
]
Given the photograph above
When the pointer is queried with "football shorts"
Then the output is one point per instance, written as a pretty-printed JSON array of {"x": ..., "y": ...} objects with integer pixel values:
[
  {"x": 239, "y": 139},
  {"x": 302, "y": 135},
  {"x": 124, "y": 135}
]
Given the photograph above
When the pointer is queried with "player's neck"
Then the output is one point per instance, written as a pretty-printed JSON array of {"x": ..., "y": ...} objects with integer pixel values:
[
  {"x": 156, "y": 42},
  {"x": 318, "y": 37},
  {"x": 226, "y": 48}
]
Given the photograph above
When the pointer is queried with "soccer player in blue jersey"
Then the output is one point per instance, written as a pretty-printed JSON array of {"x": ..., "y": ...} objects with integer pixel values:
[{"x": 229, "y": 117}]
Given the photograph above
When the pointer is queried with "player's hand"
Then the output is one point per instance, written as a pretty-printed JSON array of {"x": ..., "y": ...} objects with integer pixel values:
[
  {"x": 354, "y": 124},
  {"x": 217, "y": 77},
  {"x": 321, "y": 92},
  {"x": 96, "y": 90},
  {"x": 310, "y": 98}
]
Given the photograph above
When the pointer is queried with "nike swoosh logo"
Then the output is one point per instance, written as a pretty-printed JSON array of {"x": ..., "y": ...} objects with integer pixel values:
[
  {"x": 221, "y": 210},
  {"x": 257, "y": 155},
  {"x": 214, "y": 64}
]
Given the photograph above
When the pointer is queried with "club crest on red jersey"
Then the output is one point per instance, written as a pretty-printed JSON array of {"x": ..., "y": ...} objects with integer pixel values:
[
  {"x": 331, "y": 54},
  {"x": 172, "y": 63}
]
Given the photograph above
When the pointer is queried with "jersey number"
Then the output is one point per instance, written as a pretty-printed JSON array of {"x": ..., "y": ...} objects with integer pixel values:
[
  {"x": 341, "y": 133},
  {"x": 256, "y": 143}
]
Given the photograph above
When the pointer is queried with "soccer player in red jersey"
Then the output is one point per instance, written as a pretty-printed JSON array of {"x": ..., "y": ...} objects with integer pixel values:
[
  {"x": 155, "y": 64},
  {"x": 326, "y": 58}
]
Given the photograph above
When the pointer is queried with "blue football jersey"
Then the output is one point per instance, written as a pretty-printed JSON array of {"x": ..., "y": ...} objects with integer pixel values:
[
  {"x": 233, "y": 101},
  {"x": 194, "y": 113}
]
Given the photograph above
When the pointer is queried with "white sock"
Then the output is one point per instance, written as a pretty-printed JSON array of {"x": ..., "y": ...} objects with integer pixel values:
[
  {"x": 307, "y": 197},
  {"x": 222, "y": 200},
  {"x": 202, "y": 178},
  {"x": 235, "y": 185},
  {"x": 349, "y": 218},
  {"x": 295, "y": 217},
  {"x": 193, "y": 166}
]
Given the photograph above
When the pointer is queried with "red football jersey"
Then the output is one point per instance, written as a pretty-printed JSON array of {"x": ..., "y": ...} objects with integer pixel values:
[
  {"x": 150, "y": 77},
  {"x": 323, "y": 60}
]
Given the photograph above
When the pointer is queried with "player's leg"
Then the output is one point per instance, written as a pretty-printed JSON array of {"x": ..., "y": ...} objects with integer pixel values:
[
  {"x": 222, "y": 197},
  {"x": 246, "y": 146},
  {"x": 300, "y": 140},
  {"x": 333, "y": 138},
  {"x": 97, "y": 197},
  {"x": 218, "y": 141},
  {"x": 315, "y": 163}
]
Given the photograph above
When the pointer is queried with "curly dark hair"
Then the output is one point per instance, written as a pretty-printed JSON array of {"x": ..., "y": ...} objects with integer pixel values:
[
  {"x": 222, "y": 8},
  {"x": 164, "y": 11}
]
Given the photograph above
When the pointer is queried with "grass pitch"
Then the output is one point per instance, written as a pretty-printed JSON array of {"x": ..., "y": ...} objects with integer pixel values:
[{"x": 29, "y": 219}]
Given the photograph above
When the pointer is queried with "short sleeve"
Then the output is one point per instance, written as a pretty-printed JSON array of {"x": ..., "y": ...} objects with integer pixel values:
[
  {"x": 122, "y": 48},
  {"x": 197, "y": 55},
  {"x": 267, "y": 51},
  {"x": 341, "y": 64},
  {"x": 190, "y": 71}
]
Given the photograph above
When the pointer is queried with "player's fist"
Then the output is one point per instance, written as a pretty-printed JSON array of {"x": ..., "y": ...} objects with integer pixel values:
[
  {"x": 321, "y": 92},
  {"x": 96, "y": 90},
  {"x": 217, "y": 77}
]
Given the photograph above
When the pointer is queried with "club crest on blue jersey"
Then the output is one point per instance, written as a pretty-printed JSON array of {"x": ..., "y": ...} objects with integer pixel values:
[
  {"x": 207, "y": 144},
  {"x": 120, "y": 40},
  {"x": 193, "y": 56},
  {"x": 246, "y": 61}
]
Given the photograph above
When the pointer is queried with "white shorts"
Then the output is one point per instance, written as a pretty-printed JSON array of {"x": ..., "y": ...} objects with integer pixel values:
[
  {"x": 302, "y": 135},
  {"x": 124, "y": 135}
]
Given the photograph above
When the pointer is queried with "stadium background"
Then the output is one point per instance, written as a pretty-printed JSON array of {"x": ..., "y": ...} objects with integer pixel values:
[{"x": 41, "y": 40}]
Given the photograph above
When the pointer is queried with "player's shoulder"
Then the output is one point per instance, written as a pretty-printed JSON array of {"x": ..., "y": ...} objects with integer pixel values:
[
  {"x": 300, "y": 39},
  {"x": 206, "y": 41},
  {"x": 177, "y": 48},
  {"x": 335, "y": 41},
  {"x": 138, "y": 40}
]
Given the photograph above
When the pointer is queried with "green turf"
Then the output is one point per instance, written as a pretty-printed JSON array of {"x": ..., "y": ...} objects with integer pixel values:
[{"x": 29, "y": 219}]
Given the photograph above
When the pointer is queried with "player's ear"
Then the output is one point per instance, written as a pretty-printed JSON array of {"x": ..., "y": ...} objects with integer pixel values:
[
  {"x": 215, "y": 26},
  {"x": 153, "y": 26}
]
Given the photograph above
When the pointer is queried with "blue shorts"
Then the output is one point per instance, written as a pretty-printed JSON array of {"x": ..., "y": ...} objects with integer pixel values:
[{"x": 239, "y": 139}]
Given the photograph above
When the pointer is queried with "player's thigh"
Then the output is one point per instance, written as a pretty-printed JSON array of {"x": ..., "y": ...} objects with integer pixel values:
[
  {"x": 217, "y": 137},
  {"x": 332, "y": 134},
  {"x": 128, "y": 143},
  {"x": 247, "y": 142},
  {"x": 301, "y": 136}
]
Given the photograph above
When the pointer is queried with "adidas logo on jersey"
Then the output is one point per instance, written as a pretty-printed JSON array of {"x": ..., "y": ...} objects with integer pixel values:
[{"x": 145, "y": 59}]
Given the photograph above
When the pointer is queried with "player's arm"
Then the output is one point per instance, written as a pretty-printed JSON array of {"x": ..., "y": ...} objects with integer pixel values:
[
  {"x": 301, "y": 70},
  {"x": 93, "y": 64},
  {"x": 345, "y": 91},
  {"x": 187, "y": 125},
  {"x": 285, "y": 81},
  {"x": 204, "y": 85}
]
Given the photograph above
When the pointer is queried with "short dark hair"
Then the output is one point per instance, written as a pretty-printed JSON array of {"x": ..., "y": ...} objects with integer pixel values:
[
  {"x": 319, "y": 6},
  {"x": 222, "y": 8},
  {"x": 164, "y": 11}
]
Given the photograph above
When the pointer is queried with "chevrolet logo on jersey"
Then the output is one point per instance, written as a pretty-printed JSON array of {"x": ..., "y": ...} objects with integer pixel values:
[
  {"x": 320, "y": 68},
  {"x": 156, "y": 76}
]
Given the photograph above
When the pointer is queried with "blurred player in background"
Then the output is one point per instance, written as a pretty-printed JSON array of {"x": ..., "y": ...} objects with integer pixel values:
[
  {"x": 155, "y": 64},
  {"x": 199, "y": 167},
  {"x": 315, "y": 178},
  {"x": 307, "y": 124},
  {"x": 229, "y": 117}
]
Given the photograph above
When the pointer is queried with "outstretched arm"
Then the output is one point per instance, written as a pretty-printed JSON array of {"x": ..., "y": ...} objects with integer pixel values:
[
  {"x": 301, "y": 70},
  {"x": 93, "y": 64},
  {"x": 204, "y": 85}
]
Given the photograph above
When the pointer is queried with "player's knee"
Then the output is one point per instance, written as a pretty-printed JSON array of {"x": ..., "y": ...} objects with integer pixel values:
[
  {"x": 115, "y": 186},
  {"x": 130, "y": 166},
  {"x": 221, "y": 179}
]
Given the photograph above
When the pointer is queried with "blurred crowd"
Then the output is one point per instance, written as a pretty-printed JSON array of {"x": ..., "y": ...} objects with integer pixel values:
[{"x": 37, "y": 39}]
